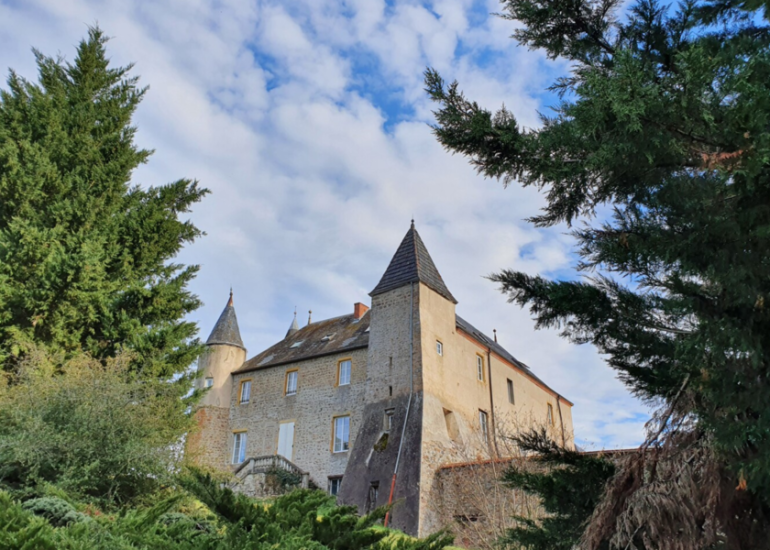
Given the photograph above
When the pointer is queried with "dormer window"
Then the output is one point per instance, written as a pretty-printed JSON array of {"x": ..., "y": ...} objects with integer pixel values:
[
  {"x": 328, "y": 337},
  {"x": 297, "y": 344}
]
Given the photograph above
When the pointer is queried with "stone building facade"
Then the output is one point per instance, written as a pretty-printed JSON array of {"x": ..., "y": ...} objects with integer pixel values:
[{"x": 372, "y": 404}]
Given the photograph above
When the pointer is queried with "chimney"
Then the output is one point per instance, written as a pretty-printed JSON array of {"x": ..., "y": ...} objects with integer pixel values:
[{"x": 359, "y": 309}]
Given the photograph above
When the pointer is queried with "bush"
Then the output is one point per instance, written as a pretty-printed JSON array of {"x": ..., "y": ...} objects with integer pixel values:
[
  {"x": 57, "y": 511},
  {"x": 96, "y": 431}
]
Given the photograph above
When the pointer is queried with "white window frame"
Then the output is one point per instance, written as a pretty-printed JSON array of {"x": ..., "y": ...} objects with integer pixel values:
[
  {"x": 209, "y": 382},
  {"x": 484, "y": 424},
  {"x": 289, "y": 390},
  {"x": 480, "y": 367},
  {"x": 239, "y": 447},
  {"x": 341, "y": 424},
  {"x": 439, "y": 347},
  {"x": 245, "y": 389},
  {"x": 344, "y": 381}
]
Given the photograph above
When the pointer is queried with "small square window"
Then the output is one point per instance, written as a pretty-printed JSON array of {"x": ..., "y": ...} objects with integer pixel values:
[
  {"x": 480, "y": 367},
  {"x": 239, "y": 447},
  {"x": 341, "y": 435},
  {"x": 439, "y": 348},
  {"x": 291, "y": 382},
  {"x": 335, "y": 483},
  {"x": 511, "y": 400},
  {"x": 209, "y": 382},
  {"x": 343, "y": 372},
  {"x": 245, "y": 391}
]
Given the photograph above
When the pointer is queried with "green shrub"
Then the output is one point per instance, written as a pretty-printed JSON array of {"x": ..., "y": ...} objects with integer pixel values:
[
  {"x": 57, "y": 511},
  {"x": 20, "y": 530}
]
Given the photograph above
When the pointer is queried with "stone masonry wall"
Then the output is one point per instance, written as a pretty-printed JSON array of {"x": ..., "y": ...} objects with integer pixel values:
[
  {"x": 317, "y": 401},
  {"x": 207, "y": 444}
]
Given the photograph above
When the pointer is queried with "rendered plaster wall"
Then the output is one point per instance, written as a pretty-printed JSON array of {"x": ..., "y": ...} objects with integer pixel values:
[
  {"x": 318, "y": 400},
  {"x": 394, "y": 369},
  {"x": 218, "y": 363},
  {"x": 454, "y": 397}
]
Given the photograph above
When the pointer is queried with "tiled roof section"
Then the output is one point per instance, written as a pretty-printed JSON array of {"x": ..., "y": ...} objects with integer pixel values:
[
  {"x": 317, "y": 339},
  {"x": 226, "y": 330},
  {"x": 411, "y": 264},
  {"x": 485, "y": 340}
]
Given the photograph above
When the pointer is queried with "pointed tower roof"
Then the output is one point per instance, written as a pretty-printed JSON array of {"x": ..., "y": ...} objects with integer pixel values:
[
  {"x": 294, "y": 326},
  {"x": 226, "y": 330},
  {"x": 411, "y": 264}
]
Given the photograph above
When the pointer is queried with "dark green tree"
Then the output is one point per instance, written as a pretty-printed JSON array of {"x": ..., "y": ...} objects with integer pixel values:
[
  {"x": 569, "y": 485},
  {"x": 86, "y": 257},
  {"x": 659, "y": 145}
]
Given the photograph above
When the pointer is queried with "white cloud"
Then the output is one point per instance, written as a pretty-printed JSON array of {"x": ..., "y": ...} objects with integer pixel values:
[{"x": 308, "y": 122}]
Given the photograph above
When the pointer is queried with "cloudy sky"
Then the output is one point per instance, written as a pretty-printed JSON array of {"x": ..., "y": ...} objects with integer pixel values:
[{"x": 308, "y": 121}]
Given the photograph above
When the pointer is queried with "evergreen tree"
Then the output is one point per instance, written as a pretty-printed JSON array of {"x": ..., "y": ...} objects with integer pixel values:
[
  {"x": 86, "y": 258},
  {"x": 569, "y": 484},
  {"x": 663, "y": 121}
]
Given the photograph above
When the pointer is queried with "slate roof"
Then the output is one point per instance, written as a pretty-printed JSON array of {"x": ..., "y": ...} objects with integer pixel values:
[
  {"x": 226, "y": 329},
  {"x": 345, "y": 333},
  {"x": 411, "y": 264}
]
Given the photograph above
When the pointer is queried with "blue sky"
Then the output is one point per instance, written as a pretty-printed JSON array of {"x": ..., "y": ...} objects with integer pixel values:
[{"x": 309, "y": 123}]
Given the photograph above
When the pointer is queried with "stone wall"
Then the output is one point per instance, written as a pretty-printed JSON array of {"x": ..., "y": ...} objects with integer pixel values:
[
  {"x": 207, "y": 443},
  {"x": 475, "y": 506},
  {"x": 394, "y": 370},
  {"x": 317, "y": 401}
]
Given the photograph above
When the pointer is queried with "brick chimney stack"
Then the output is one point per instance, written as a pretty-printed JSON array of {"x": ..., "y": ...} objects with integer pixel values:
[{"x": 359, "y": 309}]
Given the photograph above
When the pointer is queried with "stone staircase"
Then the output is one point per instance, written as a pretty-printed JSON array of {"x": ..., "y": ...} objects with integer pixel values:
[{"x": 270, "y": 475}]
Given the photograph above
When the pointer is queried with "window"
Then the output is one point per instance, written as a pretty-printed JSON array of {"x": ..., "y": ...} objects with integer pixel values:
[
  {"x": 550, "y": 414},
  {"x": 480, "y": 367},
  {"x": 343, "y": 372},
  {"x": 510, "y": 392},
  {"x": 483, "y": 424},
  {"x": 374, "y": 494},
  {"x": 439, "y": 348},
  {"x": 388, "y": 424},
  {"x": 209, "y": 382},
  {"x": 341, "y": 434},
  {"x": 291, "y": 382},
  {"x": 334, "y": 485},
  {"x": 239, "y": 447},
  {"x": 297, "y": 344},
  {"x": 245, "y": 391}
]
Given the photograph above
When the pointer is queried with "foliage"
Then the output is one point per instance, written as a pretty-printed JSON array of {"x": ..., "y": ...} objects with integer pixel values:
[
  {"x": 569, "y": 485},
  {"x": 95, "y": 430},
  {"x": 301, "y": 520},
  {"x": 85, "y": 257},
  {"x": 20, "y": 530},
  {"x": 659, "y": 145},
  {"x": 56, "y": 510}
]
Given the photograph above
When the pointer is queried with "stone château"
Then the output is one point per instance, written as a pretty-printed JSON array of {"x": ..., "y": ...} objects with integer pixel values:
[{"x": 371, "y": 404}]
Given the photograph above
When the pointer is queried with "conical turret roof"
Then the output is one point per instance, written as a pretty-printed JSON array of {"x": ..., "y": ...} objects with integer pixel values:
[
  {"x": 294, "y": 326},
  {"x": 411, "y": 264},
  {"x": 226, "y": 330}
]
